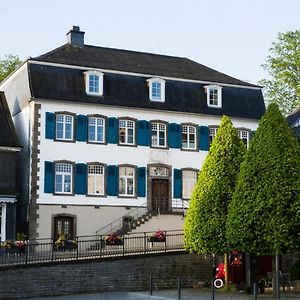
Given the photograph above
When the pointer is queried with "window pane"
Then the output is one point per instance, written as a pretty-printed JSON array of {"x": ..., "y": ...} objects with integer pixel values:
[
  {"x": 122, "y": 135},
  {"x": 161, "y": 138},
  {"x": 129, "y": 186},
  {"x": 92, "y": 133},
  {"x": 59, "y": 130},
  {"x": 122, "y": 186},
  {"x": 67, "y": 184},
  {"x": 58, "y": 183},
  {"x": 130, "y": 136},
  {"x": 156, "y": 90}
]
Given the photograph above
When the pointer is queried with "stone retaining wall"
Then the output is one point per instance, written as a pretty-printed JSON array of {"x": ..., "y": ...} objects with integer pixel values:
[{"x": 117, "y": 274}]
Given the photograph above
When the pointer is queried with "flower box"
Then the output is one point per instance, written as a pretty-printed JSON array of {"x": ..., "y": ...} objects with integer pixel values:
[
  {"x": 158, "y": 237},
  {"x": 62, "y": 244},
  {"x": 114, "y": 243},
  {"x": 114, "y": 240},
  {"x": 9, "y": 247},
  {"x": 155, "y": 239}
]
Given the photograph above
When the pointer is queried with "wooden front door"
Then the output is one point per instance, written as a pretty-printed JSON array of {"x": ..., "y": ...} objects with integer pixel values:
[
  {"x": 160, "y": 195},
  {"x": 63, "y": 225}
]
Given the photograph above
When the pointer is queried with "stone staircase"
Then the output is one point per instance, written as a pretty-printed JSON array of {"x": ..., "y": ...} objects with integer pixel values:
[{"x": 159, "y": 221}]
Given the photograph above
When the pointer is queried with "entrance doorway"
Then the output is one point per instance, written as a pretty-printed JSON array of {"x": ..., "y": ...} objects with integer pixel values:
[
  {"x": 160, "y": 195},
  {"x": 63, "y": 225}
]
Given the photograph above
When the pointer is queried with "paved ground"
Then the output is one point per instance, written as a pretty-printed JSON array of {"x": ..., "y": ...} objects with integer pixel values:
[{"x": 186, "y": 294}]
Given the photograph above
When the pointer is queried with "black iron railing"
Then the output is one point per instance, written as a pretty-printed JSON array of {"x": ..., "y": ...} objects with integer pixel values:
[{"x": 89, "y": 247}]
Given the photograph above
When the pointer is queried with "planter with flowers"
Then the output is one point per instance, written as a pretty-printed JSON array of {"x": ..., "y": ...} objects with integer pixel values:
[
  {"x": 62, "y": 244},
  {"x": 113, "y": 239},
  {"x": 10, "y": 247},
  {"x": 158, "y": 236}
]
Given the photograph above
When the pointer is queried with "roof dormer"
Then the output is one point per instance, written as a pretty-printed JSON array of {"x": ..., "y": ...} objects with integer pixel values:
[
  {"x": 214, "y": 95},
  {"x": 156, "y": 89}
]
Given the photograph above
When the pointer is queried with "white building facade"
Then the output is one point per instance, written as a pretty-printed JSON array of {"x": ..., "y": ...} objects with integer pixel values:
[{"x": 122, "y": 130}]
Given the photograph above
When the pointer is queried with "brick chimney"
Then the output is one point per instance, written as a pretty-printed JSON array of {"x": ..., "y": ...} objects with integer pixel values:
[{"x": 76, "y": 37}]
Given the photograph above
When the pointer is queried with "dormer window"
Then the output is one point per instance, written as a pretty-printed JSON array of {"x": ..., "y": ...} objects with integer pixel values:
[
  {"x": 156, "y": 89},
  {"x": 214, "y": 95},
  {"x": 94, "y": 83}
]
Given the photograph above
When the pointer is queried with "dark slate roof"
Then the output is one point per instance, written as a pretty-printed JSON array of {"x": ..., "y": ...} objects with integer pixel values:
[
  {"x": 136, "y": 62},
  {"x": 67, "y": 84},
  {"x": 8, "y": 136},
  {"x": 294, "y": 121}
]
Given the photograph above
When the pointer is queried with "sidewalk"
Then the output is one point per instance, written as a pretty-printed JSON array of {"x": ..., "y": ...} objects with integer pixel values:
[{"x": 186, "y": 294}]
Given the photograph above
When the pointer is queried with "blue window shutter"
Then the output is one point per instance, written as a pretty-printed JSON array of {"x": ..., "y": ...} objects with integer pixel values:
[
  {"x": 112, "y": 180},
  {"x": 203, "y": 138},
  {"x": 141, "y": 182},
  {"x": 179, "y": 136},
  {"x": 49, "y": 177},
  {"x": 80, "y": 179},
  {"x": 173, "y": 135},
  {"x": 49, "y": 126},
  {"x": 143, "y": 137},
  {"x": 177, "y": 188},
  {"x": 81, "y": 128},
  {"x": 113, "y": 131}
]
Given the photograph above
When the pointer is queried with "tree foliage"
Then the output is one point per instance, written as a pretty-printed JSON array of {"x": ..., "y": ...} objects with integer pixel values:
[
  {"x": 283, "y": 66},
  {"x": 264, "y": 214},
  {"x": 8, "y": 65},
  {"x": 204, "y": 228}
]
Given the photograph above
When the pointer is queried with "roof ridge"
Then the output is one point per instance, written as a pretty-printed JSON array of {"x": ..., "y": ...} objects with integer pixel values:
[{"x": 135, "y": 52}]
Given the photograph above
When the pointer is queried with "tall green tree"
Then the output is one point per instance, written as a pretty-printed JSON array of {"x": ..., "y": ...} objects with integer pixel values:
[
  {"x": 264, "y": 214},
  {"x": 283, "y": 66},
  {"x": 204, "y": 228},
  {"x": 8, "y": 65}
]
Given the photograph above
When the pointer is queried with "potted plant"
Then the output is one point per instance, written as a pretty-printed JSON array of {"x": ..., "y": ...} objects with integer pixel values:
[
  {"x": 7, "y": 247},
  {"x": 113, "y": 239},
  {"x": 158, "y": 236},
  {"x": 62, "y": 244}
]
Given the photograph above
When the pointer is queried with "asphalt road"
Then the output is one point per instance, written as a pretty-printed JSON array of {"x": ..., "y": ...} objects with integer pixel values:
[{"x": 186, "y": 294}]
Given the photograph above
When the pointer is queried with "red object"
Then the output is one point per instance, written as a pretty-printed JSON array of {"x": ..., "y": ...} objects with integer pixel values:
[{"x": 220, "y": 271}]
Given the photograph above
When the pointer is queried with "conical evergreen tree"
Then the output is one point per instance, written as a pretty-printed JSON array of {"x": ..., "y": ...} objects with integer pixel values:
[
  {"x": 204, "y": 228},
  {"x": 264, "y": 214}
]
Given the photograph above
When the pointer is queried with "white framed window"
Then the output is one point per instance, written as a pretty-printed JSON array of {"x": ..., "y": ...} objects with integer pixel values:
[
  {"x": 244, "y": 136},
  {"x": 189, "y": 179},
  {"x": 63, "y": 178},
  {"x": 127, "y": 181},
  {"x": 2, "y": 222},
  {"x": 212, "y": 133},
  {"x": 96, "y": 130},
  {"x": 158, "y": 134},
  {"x": 156, "y": 89},
  {"x": 126, "y": 132},
  {"x": 214, "y": 95},
  {"x": 189, "y": 136},
  {"x": 64, "y": 127},
  {"x": 96, "y": 175},
  {"x": 94, "y": 83}
]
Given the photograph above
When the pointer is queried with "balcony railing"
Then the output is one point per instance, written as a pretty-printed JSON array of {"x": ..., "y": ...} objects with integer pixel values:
[{"x": 89, "y": 247}]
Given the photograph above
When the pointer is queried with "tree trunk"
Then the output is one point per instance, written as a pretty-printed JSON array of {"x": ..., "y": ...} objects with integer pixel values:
[
  {"x": 226, "y": 268},
  {"x": 249, "y": 269},
  {"x": 277, "y": 277}
]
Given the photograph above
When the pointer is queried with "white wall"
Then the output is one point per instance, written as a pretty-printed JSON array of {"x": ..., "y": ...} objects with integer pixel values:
[{"x": 114, "y": 154}]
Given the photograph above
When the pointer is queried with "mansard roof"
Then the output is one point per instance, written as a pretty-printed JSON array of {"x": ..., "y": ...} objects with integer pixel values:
[
  {"x": 67, "y": 84},
  {"x": 8, "y": 136},
  {"x": 136, "y": 62}
]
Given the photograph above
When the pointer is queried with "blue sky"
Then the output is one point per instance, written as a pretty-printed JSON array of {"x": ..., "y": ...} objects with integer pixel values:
[{"x": 232, "y": 36}]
